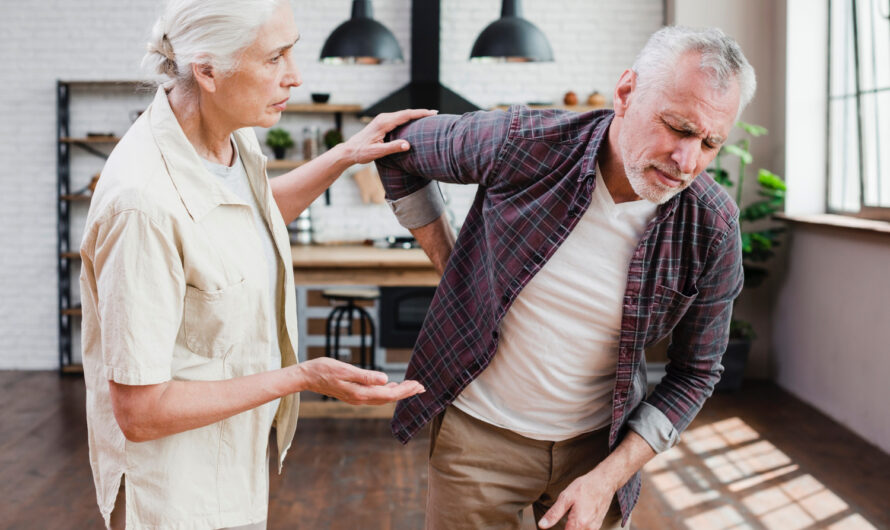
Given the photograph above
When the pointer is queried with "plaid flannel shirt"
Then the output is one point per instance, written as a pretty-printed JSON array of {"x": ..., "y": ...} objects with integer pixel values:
[{"x": 536, "y": 173}]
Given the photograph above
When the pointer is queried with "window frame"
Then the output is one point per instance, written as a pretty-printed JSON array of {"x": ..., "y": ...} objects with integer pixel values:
[{"x": 866, "y": 211}]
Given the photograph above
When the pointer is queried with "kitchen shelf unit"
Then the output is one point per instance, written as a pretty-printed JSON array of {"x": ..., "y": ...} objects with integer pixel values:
[{"x": 69, "y": 309}]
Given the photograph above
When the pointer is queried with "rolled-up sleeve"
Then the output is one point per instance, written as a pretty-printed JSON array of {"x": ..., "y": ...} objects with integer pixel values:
[
  {"x": 139, "y": 297},
  {"x": 447, "y": 148},
  {"x": 419, "y": 208},
  {"x": 654, "y": 427},
  {"x": 697, "y": 347}
]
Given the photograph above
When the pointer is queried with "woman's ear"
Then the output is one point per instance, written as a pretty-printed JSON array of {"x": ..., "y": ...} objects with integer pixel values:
[
  {"x": 627, "y": 83},
  {"x": 204, "y": 76}
]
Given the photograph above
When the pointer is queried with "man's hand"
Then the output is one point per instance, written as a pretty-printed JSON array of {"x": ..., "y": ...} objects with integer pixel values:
[
  {"x": 353, "y": 385},
  {"x": 586, "y": 500},
  {"x": 588, "y": 497}
]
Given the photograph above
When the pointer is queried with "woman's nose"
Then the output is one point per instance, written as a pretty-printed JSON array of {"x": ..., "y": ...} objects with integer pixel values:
[{"x": 292, "y": 76}]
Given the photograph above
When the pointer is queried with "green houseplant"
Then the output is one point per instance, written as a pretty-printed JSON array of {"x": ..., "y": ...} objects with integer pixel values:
[
  {"x": 758, "y": 242},
  {"x": 279, "y": 140},
  {"x": 332, "y": 137}
]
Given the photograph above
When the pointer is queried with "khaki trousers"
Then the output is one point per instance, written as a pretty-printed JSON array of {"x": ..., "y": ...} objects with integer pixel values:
[{"x": 482, "y": 476}]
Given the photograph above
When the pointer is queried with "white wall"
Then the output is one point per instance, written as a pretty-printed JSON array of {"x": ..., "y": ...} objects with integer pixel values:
[
  {"x": 831, "y": 336},
  {"x": 759, "y": 28},
  {"x": 104, "y": 39}
]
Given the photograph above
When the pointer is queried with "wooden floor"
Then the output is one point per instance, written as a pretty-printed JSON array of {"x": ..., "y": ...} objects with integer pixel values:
[{"x": 755, "y": 459}]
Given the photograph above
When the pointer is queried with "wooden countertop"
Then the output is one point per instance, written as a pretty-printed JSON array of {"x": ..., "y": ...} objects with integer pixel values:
[
  {"x": 361, "y": 265},
  {"x": 348, "y": 256}
]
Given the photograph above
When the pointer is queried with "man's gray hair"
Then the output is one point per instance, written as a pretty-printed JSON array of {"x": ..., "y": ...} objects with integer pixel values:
[
  {"x": 721, "y": 57},
  {"x": 212, "y": 32}
]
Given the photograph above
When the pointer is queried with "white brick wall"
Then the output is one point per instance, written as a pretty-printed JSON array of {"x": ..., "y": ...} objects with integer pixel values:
[{"x": 104, "y": 39}]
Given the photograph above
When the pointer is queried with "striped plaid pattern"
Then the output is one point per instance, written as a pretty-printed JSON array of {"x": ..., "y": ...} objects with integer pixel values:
[{"x": 536, "y": 171}]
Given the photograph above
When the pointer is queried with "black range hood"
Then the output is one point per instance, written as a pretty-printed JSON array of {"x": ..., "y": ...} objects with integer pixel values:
[{"x": 423, "y": 91}]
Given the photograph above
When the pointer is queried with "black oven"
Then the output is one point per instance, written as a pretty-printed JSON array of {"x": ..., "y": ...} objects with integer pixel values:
[{"x": 402, "y": 310}]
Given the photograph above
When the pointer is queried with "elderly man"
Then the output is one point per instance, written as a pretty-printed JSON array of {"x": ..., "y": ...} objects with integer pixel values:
[{"x": 591, "y": 237}]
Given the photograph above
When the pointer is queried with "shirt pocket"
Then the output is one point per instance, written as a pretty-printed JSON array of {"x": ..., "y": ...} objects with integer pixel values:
[
  {"x": 214, "y": 321},
  {"x": 668, "y": 308}
]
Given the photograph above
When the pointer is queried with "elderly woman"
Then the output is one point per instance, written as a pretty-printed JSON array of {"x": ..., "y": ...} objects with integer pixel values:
[{"x": 189, "y": 331}]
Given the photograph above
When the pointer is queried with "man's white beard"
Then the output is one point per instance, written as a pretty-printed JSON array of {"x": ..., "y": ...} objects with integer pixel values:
[{"x": 651, "y": 190}]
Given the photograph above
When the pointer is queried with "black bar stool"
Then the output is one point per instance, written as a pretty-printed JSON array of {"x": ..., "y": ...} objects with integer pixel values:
[{"x": 367, "y": 353}]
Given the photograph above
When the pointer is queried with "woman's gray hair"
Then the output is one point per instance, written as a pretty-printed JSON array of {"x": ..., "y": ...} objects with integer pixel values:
[
  {"x": 210, "y": 32},
  {"x": 721, "y": 57}
]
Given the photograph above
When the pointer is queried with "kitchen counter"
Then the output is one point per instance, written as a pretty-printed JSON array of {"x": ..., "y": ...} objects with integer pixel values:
[{"x": 361, "y": 265}]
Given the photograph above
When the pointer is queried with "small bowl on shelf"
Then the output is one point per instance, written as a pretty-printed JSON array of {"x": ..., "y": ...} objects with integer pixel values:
[{"x": 319, "y": 97}]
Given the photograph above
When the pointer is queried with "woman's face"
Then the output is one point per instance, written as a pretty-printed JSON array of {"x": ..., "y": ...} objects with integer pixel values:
[{"x": 258, "y": 90}]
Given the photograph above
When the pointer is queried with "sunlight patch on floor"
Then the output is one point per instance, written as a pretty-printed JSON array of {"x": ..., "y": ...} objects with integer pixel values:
[{"x": 724, "y": 476}]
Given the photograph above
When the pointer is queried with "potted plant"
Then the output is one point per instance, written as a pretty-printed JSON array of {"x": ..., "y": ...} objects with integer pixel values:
[
  {"x": 758, "y": 243},
  {"x": 279, "y": 140},
  {"x": 332, "y": 137}
]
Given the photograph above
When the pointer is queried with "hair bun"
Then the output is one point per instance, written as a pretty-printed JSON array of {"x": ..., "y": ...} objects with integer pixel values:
[
  {"x": 161, "y": 56},
  {"x": 167, "y": 51}
]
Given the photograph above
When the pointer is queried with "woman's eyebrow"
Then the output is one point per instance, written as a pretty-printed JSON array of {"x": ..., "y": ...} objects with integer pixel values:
[{"x": 286, "y": 46}]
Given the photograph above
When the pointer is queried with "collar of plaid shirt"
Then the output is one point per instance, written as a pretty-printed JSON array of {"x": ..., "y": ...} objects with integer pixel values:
[{"x": 536, "y": 171}]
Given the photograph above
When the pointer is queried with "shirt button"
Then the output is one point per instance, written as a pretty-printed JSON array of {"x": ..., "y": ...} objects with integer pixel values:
[{"x": 494, "y": 334}]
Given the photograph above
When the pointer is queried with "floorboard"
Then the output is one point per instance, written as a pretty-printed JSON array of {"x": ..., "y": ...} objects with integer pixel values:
[{"x": 757, "y": 459}]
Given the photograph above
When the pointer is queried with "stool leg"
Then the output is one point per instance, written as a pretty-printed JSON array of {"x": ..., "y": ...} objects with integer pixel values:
[
  {"x": 350, "y": 306},
  {"x": 327, "y": 340},
  {"x": 340, "y": 312},
  {"x": 373, "y": 344},
  {"x": 372, "y": 361},
  {"x": 328, "y": 331},
  {"x": 361, "y": 338}
]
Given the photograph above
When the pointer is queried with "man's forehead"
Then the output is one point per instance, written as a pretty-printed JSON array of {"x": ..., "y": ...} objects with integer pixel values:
[{"x": 698, "y": 103}]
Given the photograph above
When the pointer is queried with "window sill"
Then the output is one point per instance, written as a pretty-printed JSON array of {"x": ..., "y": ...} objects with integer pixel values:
[{"x": 838, "y": 221}]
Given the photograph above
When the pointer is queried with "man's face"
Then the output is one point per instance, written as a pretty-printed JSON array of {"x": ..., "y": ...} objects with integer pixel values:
[{"x": 672, "y": 131}]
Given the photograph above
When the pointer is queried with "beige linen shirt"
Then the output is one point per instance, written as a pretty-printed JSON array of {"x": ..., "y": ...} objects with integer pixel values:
[{"x": 175, "y": 287}]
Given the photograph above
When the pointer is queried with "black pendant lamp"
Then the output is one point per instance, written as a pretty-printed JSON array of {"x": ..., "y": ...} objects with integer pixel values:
[
  {"x": 361, "y": 40},
  {"x": 511, "y": 38}
]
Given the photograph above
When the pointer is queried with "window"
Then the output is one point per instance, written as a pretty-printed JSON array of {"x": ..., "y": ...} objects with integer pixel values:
[{"x": 859, "y": 107}]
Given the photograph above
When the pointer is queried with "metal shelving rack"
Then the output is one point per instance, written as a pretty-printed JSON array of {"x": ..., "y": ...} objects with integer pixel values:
[{"x": 68, "y": 309}]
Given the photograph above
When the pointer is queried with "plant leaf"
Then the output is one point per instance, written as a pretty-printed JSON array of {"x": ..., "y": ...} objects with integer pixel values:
[
  {"x": 746, "y": 243},
  {"x": 721, "y": 176},
  {"x": 770, "y": 180},
  {"x": 759, "y": 210},
  {"x": 753, "y": 130},
  {"x": 739, "y": 152}
]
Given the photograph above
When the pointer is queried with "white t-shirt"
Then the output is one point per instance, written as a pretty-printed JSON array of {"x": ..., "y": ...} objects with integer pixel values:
[
  {"x": 234, "y": 178},
  {"x": 554, "y": 371}
]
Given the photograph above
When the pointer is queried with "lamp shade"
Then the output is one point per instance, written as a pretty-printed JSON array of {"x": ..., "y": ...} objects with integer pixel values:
[
  {"x": 361, "y": 39},
  {"x": 511, "y": 38}
]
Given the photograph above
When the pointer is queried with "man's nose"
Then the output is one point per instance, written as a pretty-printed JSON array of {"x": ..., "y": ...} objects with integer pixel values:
[{"x": 686, "y": 154}]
